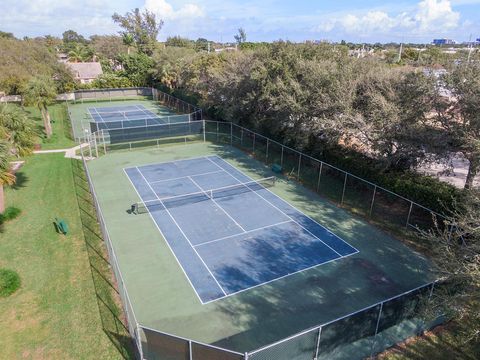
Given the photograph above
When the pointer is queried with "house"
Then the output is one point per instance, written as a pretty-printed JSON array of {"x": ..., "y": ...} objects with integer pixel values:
[{"x": 85, "y": 72}]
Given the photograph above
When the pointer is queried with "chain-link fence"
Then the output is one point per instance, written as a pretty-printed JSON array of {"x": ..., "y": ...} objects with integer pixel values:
[
  {"x": 96, "y": 95},
  {"x": 345, "y": 189},
  {"x": 177, "y": 104},
  {"x": 354, "y": 336}
]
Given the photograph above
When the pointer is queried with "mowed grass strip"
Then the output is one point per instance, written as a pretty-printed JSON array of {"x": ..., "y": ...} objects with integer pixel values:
[
  {"x": 61, "y": 127},
  {"x": 54, "y": 314}
]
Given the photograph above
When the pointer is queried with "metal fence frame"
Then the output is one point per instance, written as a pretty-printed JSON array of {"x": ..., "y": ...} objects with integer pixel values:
[
  {"x": 96, "y": 144},
  {"x": 229, "y": 136}
]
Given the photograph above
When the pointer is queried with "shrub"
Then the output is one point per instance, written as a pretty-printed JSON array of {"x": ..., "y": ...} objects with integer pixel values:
[
  {"x": 10, "y": 213},
  {"x": 9, "y": 282}
]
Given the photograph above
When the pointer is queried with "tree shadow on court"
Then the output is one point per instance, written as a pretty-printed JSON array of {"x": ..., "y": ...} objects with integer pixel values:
[
  {"x": 108, "y": 299},
  {"x": 383, "y": 268}
]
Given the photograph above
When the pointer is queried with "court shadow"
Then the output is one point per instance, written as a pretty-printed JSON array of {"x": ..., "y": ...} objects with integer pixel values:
[{"x": 106, "y": 290}]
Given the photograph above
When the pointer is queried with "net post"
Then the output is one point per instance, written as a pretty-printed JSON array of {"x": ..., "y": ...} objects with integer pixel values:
[
  {"x": 344, "y": 186},
  {"x": 373, "y": 201},
  {"x": 409, "y": 213},
  {"x": 299, "y": 164}
]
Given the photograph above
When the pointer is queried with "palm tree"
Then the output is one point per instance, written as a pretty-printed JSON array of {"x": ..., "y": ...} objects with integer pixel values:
[
  {"x": 41, "y": 92},
  {"x": 6, "y": 177},
  {"x": 80, "y": 53},
  {"x": 17, "y": 129},
  {"x": 128, "y": 41}
]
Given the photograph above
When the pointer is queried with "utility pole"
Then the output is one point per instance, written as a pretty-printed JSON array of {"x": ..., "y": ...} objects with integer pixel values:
[{"x": 400, "y": 52}]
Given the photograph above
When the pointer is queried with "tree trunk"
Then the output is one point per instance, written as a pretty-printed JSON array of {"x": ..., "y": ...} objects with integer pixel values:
[
  {"x": 46, "y": 122},
  {"x": 2, "y": 200},
  {"x": 472, "y": 171},
  {"x": 49, "y": 131}
]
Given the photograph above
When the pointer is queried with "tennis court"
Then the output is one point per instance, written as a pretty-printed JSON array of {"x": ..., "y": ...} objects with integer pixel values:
[
  {"x": 130, "y": 116},
  {"x": 221, "y": 226}
]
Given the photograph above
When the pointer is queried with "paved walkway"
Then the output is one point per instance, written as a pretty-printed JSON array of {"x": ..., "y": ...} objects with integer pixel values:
[{"x": 69, "y": 153}]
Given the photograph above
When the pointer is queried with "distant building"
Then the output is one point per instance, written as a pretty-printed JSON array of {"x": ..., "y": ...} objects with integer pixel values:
[
  {"x": 85, "y": 72},
  {"x": 443, "y": 42}
]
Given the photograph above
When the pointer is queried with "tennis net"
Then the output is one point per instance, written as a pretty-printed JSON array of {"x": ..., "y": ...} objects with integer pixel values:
[{"x": 211, "y": 194}]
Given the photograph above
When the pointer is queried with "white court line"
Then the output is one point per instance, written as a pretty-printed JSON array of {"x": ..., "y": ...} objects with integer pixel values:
[
  {"x": 169, "y": 162},
  {"x": 278, "y": 278},
  {"x": 288, "y": 216},
  {"x": 221, "y": 208},
  {"x": 286, "y": 202},
  {"x": 246, "y": 232},
  {"x": 186, "y": 237},
  {"x": 186, "y": 177},
  {"x": 165, "y": 238}
]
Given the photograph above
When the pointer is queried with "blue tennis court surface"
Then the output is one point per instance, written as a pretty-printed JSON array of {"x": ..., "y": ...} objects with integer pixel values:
[
  {"x": 128, "y": 116},
  {"x": 233, "y": 238}
]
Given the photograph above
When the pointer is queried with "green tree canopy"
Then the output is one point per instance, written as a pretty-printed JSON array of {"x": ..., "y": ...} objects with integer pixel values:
[
  {"x": 40, "y": 92},
  {"x": 142, "y": 26}
]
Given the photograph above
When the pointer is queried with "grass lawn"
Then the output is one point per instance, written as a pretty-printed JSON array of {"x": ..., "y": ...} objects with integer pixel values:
[
  {"x": 54, "y": 315},
  {"x": 61, "y": 138}
]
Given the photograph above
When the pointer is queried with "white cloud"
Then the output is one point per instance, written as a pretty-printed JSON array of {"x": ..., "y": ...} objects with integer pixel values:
[
  {"x": 165, "y": 11},
  {"x": 428, "y": 17}
]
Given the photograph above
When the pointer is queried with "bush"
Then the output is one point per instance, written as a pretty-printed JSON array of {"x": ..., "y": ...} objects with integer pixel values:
[
  {"x": 9, "y": 214},
  {"x": 9, "y": 282}
]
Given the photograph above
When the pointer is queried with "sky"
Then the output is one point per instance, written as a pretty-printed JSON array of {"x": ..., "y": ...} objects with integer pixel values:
[{"x": 417, "y": 21}]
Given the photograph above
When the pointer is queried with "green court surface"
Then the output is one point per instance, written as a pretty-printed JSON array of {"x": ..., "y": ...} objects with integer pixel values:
[
  {"x": 81, "y": 120},
  {"x": 163, "y": 299}
]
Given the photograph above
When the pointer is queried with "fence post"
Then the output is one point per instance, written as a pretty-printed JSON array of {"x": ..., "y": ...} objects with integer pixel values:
[
  {"x": 266, "y": 155},
  {"x": 104, "y": 142},
  {"x": 190, "y": 355},
  {"x": 241, "y": 137},
  {"x": 319, "y": 176},
  {"x": 231, "y": 134},
  {"x": 245, "y": 357},
  {"x": 317, "y": 349},
  {"x": 408, "y": 216},
  {"x": 253, "y": 150},
  {"x": 299, "y": 164},
  {"x": 373, "y": 200},
  {"x": 344, "y": 186},
  {"x": 376, "y": 330},
  {"x": 204, "y": 130},
  {"x": 281, "y": 157}
]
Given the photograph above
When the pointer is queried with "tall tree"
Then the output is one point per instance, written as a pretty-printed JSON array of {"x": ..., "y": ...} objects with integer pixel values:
[
  {"x": 458, "y": 113},
  {"x": 241, "y": 36},
  {"x": 17, "y": 128},
  {"x": 455, "y": 251},
  {"x": 142, "y": 26},
  {"x": 40, "y": 92},
  {"x": 6, "y": 177}
]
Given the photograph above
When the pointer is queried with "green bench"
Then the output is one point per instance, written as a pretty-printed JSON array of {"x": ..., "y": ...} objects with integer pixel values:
[{"x": 61, "y": 226}]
